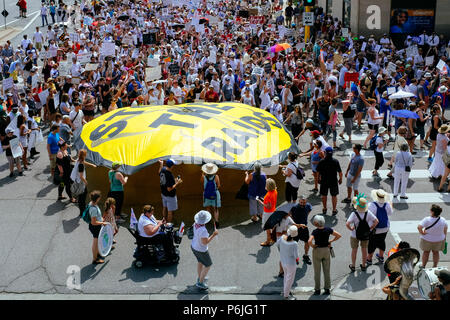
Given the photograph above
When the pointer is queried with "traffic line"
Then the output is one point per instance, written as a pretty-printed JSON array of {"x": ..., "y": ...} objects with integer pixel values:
[
  {"x": 370, "y": 154},
  {"x": 11, "y": 22},
  {"x": 32, "y": 20},
  {"x": 415, "y": 198},
  {"x": 415, "y": 174}
]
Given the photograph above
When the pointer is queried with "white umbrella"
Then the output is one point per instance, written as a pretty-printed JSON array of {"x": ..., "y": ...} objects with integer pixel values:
[{"x": 401, "y": 95}]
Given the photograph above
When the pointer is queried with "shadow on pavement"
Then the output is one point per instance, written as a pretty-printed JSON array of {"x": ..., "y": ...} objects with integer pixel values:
[
  {"x": 55, "y": 208},
  {"x": 148, "y": 272},
  {"x": 89, "y": 272},
  {"x": 7, "y": 180},
  {"x": 249, "y": 230},
  {"x": 71, "y": 225},
  {"x": 193, "y": 293},
  {"x": 262, "y": 255},
  {"x": 42, "y": 193}
]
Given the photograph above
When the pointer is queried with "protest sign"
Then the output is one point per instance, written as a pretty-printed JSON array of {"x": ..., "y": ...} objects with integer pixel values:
[
  {"x": 391, "y": 90},
  {"x": 84, "y": 58},
  {"x": 34, "y": 81},
  {"x": 412, "y": 51},
  {"x": 212, "y": 57},
  {"x": 429, "y": 60},
  {"x": 152, "y": 62},
  {"x": 221, "y": 25},
  {"x": 152, "y": 73},
  {"x": 258, "y": 71},
  {"x": 391, "y": 68},
  {"x": 363, "y": 47},
  {"x": 267, "y": 67},
  {"x": 377, "y": 48},
  {"x": 257, "y": 19},
  {"x": 74, "y": 37},
  {"x": 43, "y": 96},
  {"x": 345, "y": 32},
  {"x": 64, "y": 68},
  {"x": 338, "y": 59},
  {"x": 440, "y": 65},
  {"x": 8, "y": 83},
  {"x": 91, "y": 67},
  {"x": 300, "y": 46},
  {"x": 108, "y": 49},
  {"x": 174, "y": 68},
  {"x": 351, "y": 76},
  {"x": 15, "y": 148}
]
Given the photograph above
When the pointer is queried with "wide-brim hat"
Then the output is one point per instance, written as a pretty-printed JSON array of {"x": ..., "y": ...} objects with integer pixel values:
[
  {"x": 380, "y": 196},
  {"x": 444, "y": 129},
  {"x": 382, "y": 130},
  {"x": 442, "y": 89},
  {"x": 292, "y": 231},
  {"x": 210, "y": 168},
  {"x": 202, "y": 217}
]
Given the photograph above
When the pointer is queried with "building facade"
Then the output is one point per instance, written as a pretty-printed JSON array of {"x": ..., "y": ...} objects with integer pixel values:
[{"x": 391, "y": 16}]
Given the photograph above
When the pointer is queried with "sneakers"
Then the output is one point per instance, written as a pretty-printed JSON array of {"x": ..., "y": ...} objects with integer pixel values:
[
  {"x": 21, "y": 173},
  {"x": 290, "y": 297},
  {"x": 326, "y": 292},
  {"x": 368, "y": 262},
  {"x": 316, "y": 292},
  {"x": 11, "y": 174},
  {"x": 347, "y": 200},
  {"x": 201, "y": 286},
  {"x": 430, "y": 160},
  {"x": 380, "y": 259},
  {"x": 306, "y": 259}
]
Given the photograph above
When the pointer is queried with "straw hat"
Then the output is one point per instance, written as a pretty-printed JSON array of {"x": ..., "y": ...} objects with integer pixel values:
[
  {"x": 202, "y": 217},
  {"x": 379, "y": 196},
  {"x": 209, "y": 168},
  {"x": 442, "y": 89},
  {"x": 444, "y": 129},
  {"x": 360, "y": 203}
]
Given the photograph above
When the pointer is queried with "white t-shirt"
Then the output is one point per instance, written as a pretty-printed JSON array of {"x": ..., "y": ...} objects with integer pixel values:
[
  {"x": 324, "y": 143},
  {"x": 197, "y": 244},
  {"x": 373, "y": 208},
  {"x": 379, "y": 141},
  {"x": 293, "y": 180},
  {"x": 78, "y": 121},
  {"x": 145, "y": 221},
  {"x": 284, "y": 224},
  {"x": 436, "y": 232},
  {"x": 353, "y": 219}
]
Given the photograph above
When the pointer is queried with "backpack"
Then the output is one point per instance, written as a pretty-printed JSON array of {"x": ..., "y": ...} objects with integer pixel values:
[
  {"x": 363, "y": 229},
  {"x": 300, "y": 173},
  {"x": 382, "y": 216},
  {"x": 373, "y": 142},
  {"x": 86, "y": 215},
  {"x": 210, "y": 189}
]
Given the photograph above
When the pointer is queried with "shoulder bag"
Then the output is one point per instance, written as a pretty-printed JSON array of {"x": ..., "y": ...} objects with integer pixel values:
[{"x": 407, "y": 168}]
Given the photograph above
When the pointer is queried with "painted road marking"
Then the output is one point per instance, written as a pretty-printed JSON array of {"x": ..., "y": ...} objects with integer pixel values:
[
  {"x": 432, "y": 197},
  {"x": 415, "y": 174},
  {"x": 370, "y": 154}
]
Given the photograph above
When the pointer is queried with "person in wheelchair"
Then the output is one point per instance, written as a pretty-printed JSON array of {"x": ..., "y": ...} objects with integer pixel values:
[{"x": 149, "y": 230}]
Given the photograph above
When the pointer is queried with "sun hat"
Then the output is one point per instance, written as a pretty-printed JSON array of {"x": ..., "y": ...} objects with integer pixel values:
[
  {"x": 427, "y": 75},
  {"x": 360, "y": 202},
  {"x": 379, "y": 196},
  {"x": 276, "y": 99},
  {"x": 202, "y": 217},
  {"x": 442, "y": 89},
  {"x": 382, "y": 130},
  {"x": 292, "y": 231},
  {"x": 9, "y": 130},
  {"x": 210, "y": 168},
  {"x": 444, "y": 129}
]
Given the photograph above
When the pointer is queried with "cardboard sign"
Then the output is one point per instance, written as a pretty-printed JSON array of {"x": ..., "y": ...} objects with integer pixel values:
[
  {"x": 338, "y": 59},
  {"x": 84, "y": 58},
  {"x": 174, "y": 68},
  {"x": 108, "y": 49},
  {"x": 258, "y": 71},
  {"x": 351, "y": 76},
  {"x": 8, "y": 83},
  {"x": 152, "y": 62},
  {"x": 412, "y": 51},
  {"x": 344, "y": 32},
  {"x": 440, "y": 65},
  {"x": 391, "y": 90},
  {"x": 391, "y": 68},
  {"x": 257, "y": 19},
  {"x": 152, "y": 73},
  {"x": 43, "y": 96},
  {"x": 91, "y": 67},
  {"x": 15, "y": 148},
  {"x": 429, "y": 61}
]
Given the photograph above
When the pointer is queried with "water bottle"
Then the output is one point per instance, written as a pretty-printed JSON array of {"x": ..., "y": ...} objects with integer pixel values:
[
  {"x": 445, "y": 248},
  {"x": 332, "y": 252}
]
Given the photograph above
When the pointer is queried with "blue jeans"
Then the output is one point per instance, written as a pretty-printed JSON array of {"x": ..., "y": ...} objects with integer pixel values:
[
  {"x": 44, "y": 17},
  {"x": 53, "y": 17}
]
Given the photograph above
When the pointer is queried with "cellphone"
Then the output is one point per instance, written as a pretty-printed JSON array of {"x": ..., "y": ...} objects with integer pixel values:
[{"x": 179, "y": 177}]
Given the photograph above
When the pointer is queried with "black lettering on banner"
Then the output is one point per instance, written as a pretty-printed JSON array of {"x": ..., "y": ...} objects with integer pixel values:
[
  {"x": 195, "y": 111},
  {"x": 246, "y": 126},
  {"x": 165, "y": 119},
  {"x": 99, "y": 132},
  {"x": 124, "y": 112},
  {"x": 259, "y": 123},
  {"x": 272, "y": 121},
  {"x": 221, "y": 147},
  {"x": 215, "y": 106},
  {"x": 240, "y": 137}
]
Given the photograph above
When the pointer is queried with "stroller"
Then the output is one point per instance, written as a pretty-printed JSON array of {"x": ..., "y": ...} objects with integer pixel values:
[{"x": 154, "y": 254}]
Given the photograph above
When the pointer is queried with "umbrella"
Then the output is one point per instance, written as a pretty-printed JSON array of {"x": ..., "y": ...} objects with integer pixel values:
[
  {"x": 401, "y": 95},
  {"x": 123, "y": 17},
  {"x": 231, "y": 135},
  {"x": 405, "y": 114},
  {"x": 280, "y": 47},
  {"x": 274, "y": 219}
]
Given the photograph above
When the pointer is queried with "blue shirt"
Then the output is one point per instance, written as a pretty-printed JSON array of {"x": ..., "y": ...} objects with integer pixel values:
[
  {"x": 52, "y": 140},
  {"x": 384, "y": 107}
]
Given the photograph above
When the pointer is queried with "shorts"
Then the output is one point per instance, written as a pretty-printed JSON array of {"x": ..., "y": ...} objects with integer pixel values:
[
  {"x": 95, "y": 230},
  {"x": 12, "y": 160},
  {"x": 421, "y": 132},
  {"x": 355, "y": 242},
  {"x": 303, "y": 235},
  {"x": 216, "y": 203},
  {"x": 265, "y": 217},
  {"x": 38, "y": 45},
  {"x": 255, "y": 207},
  {"x": 377, "y": 240},
  {"x": 334, "y": 190},
  {"x": 171, "y": 203},
  {"x": 355, "y": 184},
  {"x": 373, "y": 127},
  {"x": 360, "y": 108},
  {"x": 432, "y": 246},
  {"x": 202, "y": 257},
  {"x": 88, "y": 113},
  {"x": 52, "y": 161}
]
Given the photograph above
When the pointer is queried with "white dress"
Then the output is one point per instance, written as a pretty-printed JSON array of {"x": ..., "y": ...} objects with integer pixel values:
[{"x": 437, "y": 168}]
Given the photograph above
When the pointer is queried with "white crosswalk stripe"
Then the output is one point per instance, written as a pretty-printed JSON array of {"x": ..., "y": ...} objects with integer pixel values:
[
  {"x": 370, "y": 154},
  {"x": 415, "y": 174}
]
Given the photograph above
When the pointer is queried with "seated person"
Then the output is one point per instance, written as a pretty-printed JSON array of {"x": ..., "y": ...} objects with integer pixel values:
[{"x": 149, "y": 228}]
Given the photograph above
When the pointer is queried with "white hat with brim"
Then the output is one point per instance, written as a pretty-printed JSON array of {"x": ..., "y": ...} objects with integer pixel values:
[
  {"x": 380, "y": 196},
  {"x": 202, "y": 217},
  {"x": 292, "y": 231},
  {"x": 382, "y": 130},
  {"x": 442, "y": 89},
  {"x": 210, "y": 168}
]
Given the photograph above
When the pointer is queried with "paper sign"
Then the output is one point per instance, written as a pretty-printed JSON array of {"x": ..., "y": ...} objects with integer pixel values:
[
  {"x": 74, "y": 37},
  {"x": 8, "y": 83},
  {"x": 91, "y": 67},
  {"x": 213, "y": 20},
  {"x": 15, "y": 148},
  {"x": 108, "y": 49},
  {"x": 257, "y": 19},
  {"x": 391, "y": 90},
  {"x": 363, "y": 47},
  {"x": 429, "y": 60},
  {"x": 200, "y": 28},
  {"x": 440, "y": 65},
  {"x": 84, "y": 58},
  {"x": 152, "y": 73},
  {"x": 345, "y": 32},
  {"x": 56, "y": 101},
  {"x": 152, "y": 62},
  {"x": 391, "y": 68},
  {"x": 212, "y": 57},
  {"x": 377, "y": 48},
  {"x": 412, "y": 51},
  {"x": 258, "y": 71},
  {"x": 221, "y": 25},
  {"x": 43, "y": 96},
  {"x": 300, "y": 46},
  {"x": 34, "y": 81},
  {"x": 63, "y": 68}
]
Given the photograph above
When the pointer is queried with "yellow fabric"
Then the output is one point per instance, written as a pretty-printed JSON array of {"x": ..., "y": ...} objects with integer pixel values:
[{"x": 138, "y": 135}]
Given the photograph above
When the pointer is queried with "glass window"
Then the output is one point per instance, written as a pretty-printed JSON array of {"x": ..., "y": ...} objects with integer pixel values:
[
  {"x": 329, "y": 7},
  {"x": 346, "y": 13}
]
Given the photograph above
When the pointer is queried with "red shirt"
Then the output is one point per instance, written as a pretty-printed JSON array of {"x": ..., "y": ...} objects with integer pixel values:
[
  {"x": 270, "y": 198},
  {"x": 211, "y": 96}
]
